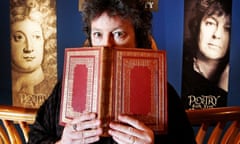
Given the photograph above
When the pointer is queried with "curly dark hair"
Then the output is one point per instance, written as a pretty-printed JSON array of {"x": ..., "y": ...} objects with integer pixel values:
[{"x": 133, "y": 10}]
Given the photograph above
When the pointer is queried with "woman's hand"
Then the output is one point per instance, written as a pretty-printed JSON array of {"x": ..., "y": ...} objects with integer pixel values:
[
  {"x": 84, "y": 129},
  {"x": 131, "y": 131}
]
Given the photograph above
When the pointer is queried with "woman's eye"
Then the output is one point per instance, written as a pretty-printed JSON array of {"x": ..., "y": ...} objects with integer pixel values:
[
  {"x": 210, "y": 22},
  {"x": 97, "y": 35},
  {"x": 37, "y": 36},
  {"x": 18, "y": 37},
  {"x": 119, "y": 34},
  {"x": 227, "y": 28}
]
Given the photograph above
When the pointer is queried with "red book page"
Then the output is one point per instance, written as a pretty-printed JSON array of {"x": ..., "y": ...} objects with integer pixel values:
[
  {"x": 140, "y": 90},
  {"x": 81, "y": 80},
  {"x": 79, "y": 88},
  {"x": 140, "y": 87}
]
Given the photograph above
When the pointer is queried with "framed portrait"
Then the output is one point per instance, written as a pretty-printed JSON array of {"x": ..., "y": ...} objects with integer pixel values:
[
  {"x": 33, "y": 51},
  {"x": 206, "y": 52}
]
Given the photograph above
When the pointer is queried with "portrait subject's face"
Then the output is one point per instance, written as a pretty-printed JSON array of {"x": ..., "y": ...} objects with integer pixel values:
[
  {"x": 214, "y": 36},
  {"x": 112, "y": 32},
  {"x": 26, "y": 45}
]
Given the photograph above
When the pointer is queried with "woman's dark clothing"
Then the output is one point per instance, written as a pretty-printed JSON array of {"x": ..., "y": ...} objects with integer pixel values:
[
  {"x": 46, "y": 128},
  {"x": 198, "y": 92}
]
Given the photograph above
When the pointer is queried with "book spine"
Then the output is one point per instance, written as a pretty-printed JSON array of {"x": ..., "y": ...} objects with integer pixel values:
[{"x": 105, "y": 110}]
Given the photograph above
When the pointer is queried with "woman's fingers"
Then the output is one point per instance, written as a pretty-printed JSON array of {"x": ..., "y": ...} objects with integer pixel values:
[{"x": 130, "y": 130}]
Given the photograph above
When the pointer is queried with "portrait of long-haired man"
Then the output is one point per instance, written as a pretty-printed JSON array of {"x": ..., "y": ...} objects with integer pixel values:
[{"x": 33, "y": 51}]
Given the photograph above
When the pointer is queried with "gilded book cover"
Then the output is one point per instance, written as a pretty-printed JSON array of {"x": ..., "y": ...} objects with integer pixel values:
[{"x": 111, "y": 81}]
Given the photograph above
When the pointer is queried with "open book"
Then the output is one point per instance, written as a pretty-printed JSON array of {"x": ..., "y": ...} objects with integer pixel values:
[{"x": 111, "y": 81}]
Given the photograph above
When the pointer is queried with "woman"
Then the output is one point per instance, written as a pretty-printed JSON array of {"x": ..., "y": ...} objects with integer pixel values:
[
  {"x": 206, "y": 56},
  {"x": 113, "y": 23}
]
